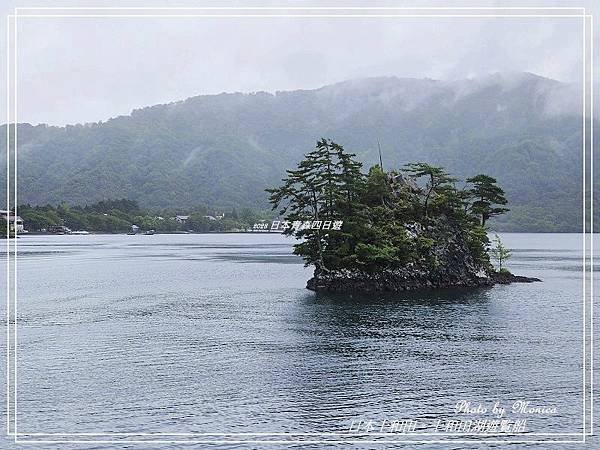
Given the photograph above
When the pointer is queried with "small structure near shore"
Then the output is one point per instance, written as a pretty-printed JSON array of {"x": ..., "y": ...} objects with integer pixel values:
[
  {"x": 14, "y": 223},
  {"x": 59, "y": 229}
]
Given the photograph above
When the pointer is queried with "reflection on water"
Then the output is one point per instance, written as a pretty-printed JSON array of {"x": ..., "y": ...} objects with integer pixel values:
[{"x": 216, "y": 333}]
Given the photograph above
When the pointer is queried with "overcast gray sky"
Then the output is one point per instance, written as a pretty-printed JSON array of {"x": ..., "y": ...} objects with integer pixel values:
[{"x": 73, "y": 70}]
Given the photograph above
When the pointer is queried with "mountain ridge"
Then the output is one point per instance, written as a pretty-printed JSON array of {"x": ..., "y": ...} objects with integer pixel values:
[
  {"x": 498, "y": 76},
  {"x": 224, "y": 149}
]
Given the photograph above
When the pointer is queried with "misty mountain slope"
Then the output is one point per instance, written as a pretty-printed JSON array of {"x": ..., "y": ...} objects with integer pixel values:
[{"x": 223, "y": 150}]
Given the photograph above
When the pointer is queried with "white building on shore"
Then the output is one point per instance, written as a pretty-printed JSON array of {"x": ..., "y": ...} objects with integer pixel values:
[{"x": 9, "y": 216}]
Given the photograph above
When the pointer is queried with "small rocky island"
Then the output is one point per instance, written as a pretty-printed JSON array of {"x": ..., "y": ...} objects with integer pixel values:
[{"x": 389, "y": 231}]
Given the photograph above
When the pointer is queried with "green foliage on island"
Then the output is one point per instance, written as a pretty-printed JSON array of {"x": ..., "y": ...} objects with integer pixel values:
[
  {"x": 118, "y": 216},
  {"x": 389, "y": 219},
  {"x": 500, "y": 254}
]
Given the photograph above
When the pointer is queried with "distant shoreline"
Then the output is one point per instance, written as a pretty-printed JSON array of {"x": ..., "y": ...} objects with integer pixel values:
[
  {"x": 103, "y": 233},
  {"x": 97, "y": 233}
]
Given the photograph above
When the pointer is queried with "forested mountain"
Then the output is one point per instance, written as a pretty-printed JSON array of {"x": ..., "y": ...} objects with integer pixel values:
[{"x": 223, "y": 150}]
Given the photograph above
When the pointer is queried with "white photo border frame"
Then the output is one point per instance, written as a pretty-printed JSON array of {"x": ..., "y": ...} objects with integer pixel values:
[{"x": 12, "y": 319}]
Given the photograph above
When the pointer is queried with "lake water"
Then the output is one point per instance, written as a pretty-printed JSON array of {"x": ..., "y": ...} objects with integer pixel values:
[{"x": 217, "y": 334}]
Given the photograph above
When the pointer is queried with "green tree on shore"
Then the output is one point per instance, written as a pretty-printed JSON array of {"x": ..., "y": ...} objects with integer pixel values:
[
  {"x": 499, "y": 252},
  {"x": 487, "y": 196},
  {"x": 322, "y": 188}
]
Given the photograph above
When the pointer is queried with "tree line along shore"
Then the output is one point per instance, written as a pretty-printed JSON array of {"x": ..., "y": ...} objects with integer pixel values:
[{"x": 119, "y": 216}]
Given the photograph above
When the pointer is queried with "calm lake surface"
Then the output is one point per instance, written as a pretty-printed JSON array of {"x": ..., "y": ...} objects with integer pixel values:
[{"x": 217, "y": 334}]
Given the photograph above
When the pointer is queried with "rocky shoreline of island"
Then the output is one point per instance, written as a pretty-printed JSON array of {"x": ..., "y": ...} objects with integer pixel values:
[{"x": 345, "y": 281}]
